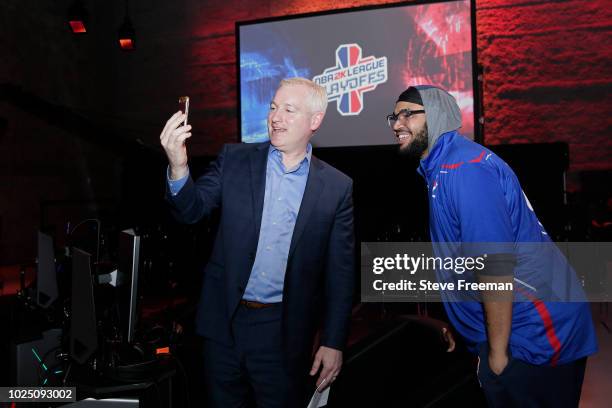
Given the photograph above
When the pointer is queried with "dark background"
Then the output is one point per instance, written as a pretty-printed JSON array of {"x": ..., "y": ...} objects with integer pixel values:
[{"x": 80, "y": 121}]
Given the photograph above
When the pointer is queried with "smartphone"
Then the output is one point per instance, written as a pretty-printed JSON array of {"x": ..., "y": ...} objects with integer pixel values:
[{"x": 184, "y": 104}]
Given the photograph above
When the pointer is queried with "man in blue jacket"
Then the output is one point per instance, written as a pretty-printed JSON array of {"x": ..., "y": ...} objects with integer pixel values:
[
  {"x": 532, "y": 352},
  {"x": 282, "y": 265}
]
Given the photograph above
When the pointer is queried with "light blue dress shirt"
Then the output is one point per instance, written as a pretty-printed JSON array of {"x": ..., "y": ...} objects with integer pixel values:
[
  {"x": 176, "y": 185},
  {"x": 282, "y": 200}
]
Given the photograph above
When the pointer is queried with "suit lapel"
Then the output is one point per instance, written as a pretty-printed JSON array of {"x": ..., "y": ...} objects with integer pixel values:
[
  {"x": 259, "y": 160},
  {"x": 314, "y": 185}
]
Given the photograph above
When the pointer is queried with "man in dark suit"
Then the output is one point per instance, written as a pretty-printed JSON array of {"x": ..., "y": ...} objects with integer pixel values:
[{"x": 283, "y": 261}]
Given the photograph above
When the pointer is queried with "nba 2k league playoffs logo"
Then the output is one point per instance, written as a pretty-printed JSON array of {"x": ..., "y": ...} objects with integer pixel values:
[{"x": 352, "y": 76}]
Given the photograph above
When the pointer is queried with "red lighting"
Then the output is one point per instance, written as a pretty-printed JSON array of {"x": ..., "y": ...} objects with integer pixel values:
[
  {"x": 77, "y": 26},
  {"x": 126, "y": 43},
  {"x": 126, "y": 34},
  {"x": 162, "y": 350}
]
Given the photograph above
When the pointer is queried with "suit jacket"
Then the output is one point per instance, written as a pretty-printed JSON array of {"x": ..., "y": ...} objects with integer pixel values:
[{"x": 320, "y": 272}]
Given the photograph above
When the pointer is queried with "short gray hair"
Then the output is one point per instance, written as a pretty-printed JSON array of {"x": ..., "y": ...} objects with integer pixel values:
[{"x": 318, "y": 94}]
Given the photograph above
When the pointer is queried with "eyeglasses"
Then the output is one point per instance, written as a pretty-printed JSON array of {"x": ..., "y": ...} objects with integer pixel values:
[{"x": 402, "y": 115}]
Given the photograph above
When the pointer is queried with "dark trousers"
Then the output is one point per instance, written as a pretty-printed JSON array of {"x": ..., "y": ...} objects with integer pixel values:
[
  {"x": 525, "y": 385},
  {"x": 251, "y": 372}
]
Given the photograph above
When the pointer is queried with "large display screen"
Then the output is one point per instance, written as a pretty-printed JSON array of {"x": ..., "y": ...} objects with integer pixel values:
[{"x": 364, "y": 58}]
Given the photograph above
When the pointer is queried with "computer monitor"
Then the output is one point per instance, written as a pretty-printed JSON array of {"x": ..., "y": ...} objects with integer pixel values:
[
  {"x": 83, "y": 333},
  {"x": 46, "y": 277},
  {"x": 129, "y": 266}
]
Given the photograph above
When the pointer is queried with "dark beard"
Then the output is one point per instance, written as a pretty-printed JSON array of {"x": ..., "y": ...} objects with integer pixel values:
[{"x": 418, "y": 146}]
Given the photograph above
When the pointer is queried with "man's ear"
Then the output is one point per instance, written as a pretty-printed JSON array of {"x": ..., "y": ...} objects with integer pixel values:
[{"x": 316, "y": 120}]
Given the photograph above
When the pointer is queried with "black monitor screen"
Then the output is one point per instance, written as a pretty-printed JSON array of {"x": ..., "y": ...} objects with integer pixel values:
[{"x": 129, "y": 262}]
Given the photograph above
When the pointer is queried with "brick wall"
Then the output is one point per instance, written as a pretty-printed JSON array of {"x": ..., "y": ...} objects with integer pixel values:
[{"x": 548, "y": 75}]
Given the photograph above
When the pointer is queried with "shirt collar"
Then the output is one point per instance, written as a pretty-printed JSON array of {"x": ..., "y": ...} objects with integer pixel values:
[
  {"x": 429, "y": 163},
  {"x": 307, "y": 158}
]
